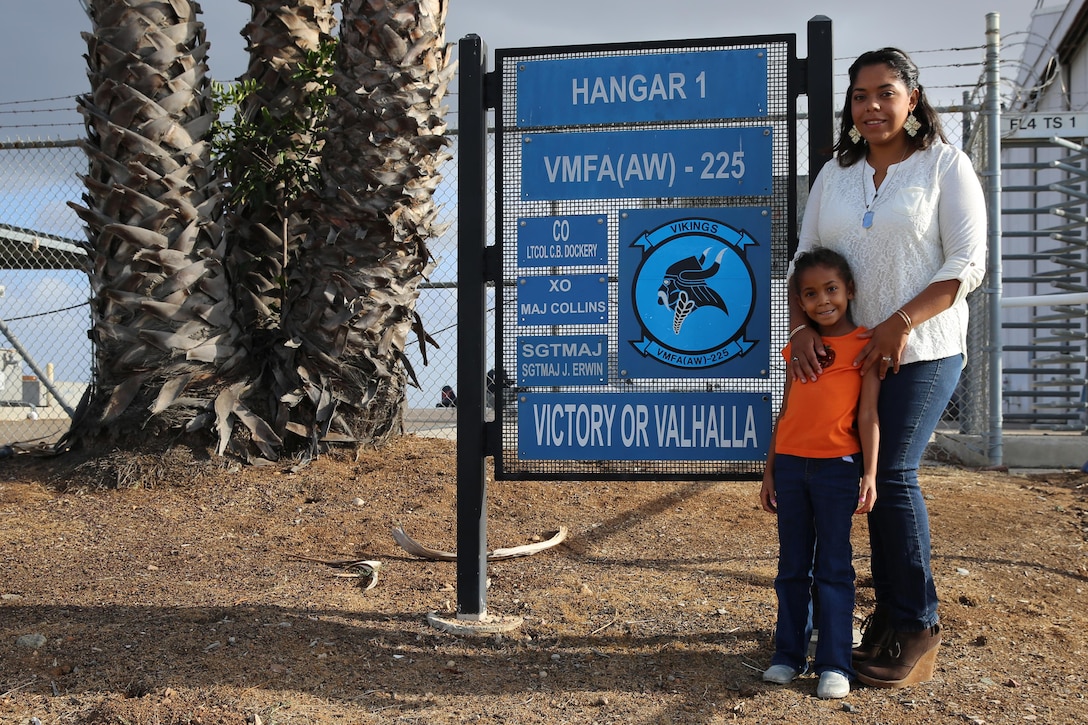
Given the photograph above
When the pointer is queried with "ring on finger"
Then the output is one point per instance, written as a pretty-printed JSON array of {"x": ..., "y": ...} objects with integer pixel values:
[
  {"x": 794, "y": 359},
  {"x": 886, "y": 358}
]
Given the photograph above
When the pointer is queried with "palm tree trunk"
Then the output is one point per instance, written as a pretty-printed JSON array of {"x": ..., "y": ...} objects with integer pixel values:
[
  {"x": 264, "y": 231},
  {"x": 161, "y": 305},
  {"x": 280, "y": 34},
  {"x": 355, "y": 284}
]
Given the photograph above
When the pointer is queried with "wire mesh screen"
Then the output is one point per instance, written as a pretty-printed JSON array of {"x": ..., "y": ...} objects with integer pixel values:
[{"x": 570, "y": 376}]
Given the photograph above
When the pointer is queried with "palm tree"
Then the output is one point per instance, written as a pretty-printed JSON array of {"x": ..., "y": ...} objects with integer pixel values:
[
  {"x": 271, "y": 165},
  {"x": 272, "y": 313}
]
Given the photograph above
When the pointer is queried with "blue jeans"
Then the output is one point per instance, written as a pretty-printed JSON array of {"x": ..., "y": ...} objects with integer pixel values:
[
  {"x": 911, "y": 404},
  {"x": 816, "y": 502}
]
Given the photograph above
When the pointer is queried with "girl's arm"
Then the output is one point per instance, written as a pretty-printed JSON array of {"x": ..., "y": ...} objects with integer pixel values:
[
  {"x": 805, "y": 340},
  {"x": 767, "y": 497},
  {"x": 869, "y": 432}
]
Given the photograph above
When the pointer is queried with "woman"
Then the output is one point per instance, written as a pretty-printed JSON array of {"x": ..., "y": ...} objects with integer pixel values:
[{"x": 907, "y": 211}]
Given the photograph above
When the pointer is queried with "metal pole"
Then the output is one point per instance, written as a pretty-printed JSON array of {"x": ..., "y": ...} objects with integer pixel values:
[
  {"x": 471, "y": 330},
  {"x": 993, "y": 262},
  {"x": 965, "y": 121},
  {"x": 42, "y": 377},
  {"x": 821, "y": 95}
]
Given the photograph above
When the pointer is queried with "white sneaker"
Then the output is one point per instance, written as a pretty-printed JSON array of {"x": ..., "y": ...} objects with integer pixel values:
[
  {"x": 833, "y": 686},
  {"x": 780, "y": 674}
]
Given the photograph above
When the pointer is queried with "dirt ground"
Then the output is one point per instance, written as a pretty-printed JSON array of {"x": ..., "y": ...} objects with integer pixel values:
[{"x": 178, "y": 601}]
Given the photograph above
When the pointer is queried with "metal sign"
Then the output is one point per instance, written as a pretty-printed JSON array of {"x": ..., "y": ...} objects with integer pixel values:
[
  {"x": 696, "y": 303},
  {"x": 628, "y": 176},
  {"x": 639, "y": 164},
  {"x": 562, "y": 360},
  {"x": 569, "y": 299},
  {"x": 643, "y": 426},
  {"x": 1044, "y": 125},
  {"x": 562, "y": 241},
  {"x": 678, "y": 86},
  {"x": 645, "y": 200}
]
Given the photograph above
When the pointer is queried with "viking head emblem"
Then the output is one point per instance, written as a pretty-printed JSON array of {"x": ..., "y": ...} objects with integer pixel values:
[{"x": 685, "y": 289}]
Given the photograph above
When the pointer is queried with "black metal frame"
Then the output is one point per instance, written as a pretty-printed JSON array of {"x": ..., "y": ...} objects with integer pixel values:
[{"x": 507, "y": 466}]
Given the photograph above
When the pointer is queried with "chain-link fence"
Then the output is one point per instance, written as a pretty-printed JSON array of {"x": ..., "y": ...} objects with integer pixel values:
[{"x": 45, "y": 354}]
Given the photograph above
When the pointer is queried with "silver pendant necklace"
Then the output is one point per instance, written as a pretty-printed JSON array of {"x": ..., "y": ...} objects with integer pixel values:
[{"x": 867, "y": 217}]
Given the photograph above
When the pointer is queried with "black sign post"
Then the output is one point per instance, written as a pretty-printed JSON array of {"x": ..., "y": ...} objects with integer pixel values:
[
  {"x": 821, "y": 105},
  {"x": 472, "y": 616},
  {"x": 471, "y": 331}
]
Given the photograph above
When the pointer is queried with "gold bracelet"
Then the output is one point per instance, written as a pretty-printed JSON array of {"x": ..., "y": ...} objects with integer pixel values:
[
  {"x": 795, "y": 330},
  {"x": 905, "y": 318}
]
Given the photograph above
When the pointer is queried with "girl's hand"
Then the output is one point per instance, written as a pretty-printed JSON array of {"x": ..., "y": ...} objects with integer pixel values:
[
  {"x": 866, "y": 495},
  {"x": 767, "y": 495},
  {"x": 807, "y": 347}
]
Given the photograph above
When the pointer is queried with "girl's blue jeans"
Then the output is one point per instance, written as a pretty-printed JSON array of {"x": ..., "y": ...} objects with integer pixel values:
[
  {"x": 816, "y": 502},
  {"x": 912, "y": 402}
]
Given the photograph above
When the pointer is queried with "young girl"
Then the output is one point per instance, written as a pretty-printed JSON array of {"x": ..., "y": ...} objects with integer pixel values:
[{"x": 824, "y": 442}]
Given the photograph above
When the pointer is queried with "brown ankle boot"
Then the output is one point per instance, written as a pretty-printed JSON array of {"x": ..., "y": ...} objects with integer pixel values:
[
  {"x": 909, "y": 658},
  {"x": 876, "y": 633}
]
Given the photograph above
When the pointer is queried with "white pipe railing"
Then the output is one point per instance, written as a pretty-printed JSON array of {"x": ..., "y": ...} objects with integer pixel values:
[{"x": 1070, "y": 298}]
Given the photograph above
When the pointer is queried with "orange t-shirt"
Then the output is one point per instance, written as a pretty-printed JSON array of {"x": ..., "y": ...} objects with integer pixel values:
[{"x": 820, "y": 419}]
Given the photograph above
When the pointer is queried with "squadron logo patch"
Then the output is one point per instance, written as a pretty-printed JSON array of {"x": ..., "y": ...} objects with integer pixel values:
[{"x": 693, "y": 293}]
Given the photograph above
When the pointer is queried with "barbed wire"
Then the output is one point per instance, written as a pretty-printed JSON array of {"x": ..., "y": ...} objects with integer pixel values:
[
  {"x": 453, "y": 94},
  {"x": 40, "y": 100},
  {"x": 38, "y": 110},
  {"x": 72, "y": 124}
]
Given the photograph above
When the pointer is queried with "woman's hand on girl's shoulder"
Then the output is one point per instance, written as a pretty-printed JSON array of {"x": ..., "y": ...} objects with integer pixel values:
[{"x": 807, "y": 346}]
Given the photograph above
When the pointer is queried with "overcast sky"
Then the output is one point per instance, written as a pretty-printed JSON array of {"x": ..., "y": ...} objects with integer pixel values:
[{"x": 41, "y": 51}]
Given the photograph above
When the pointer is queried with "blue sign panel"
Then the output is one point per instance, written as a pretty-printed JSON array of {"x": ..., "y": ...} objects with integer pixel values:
[
  {"x": 571, "y": 299},
  {"x": 644, "y": 426},
  {"x": 638, "y": 164},
  {"x": 562, "y": 360},
  {"x": 562, "y": 241},
  {"x": 684, "y": 86},
  {"x": 694, "y": 297}
]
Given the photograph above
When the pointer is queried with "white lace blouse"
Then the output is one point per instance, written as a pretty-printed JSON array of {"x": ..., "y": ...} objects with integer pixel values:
[{"x": 928, "y": 225}]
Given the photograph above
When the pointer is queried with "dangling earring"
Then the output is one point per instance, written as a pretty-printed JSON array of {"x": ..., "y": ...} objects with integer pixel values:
[
  {"x": 855, "y": 134},
  {"x": 911, "y": 125}
]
